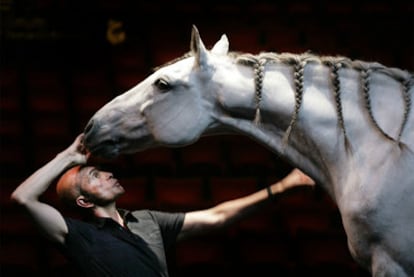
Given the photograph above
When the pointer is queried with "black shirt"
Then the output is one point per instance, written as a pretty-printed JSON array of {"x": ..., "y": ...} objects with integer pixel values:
[{"x": 105, "y": 248}]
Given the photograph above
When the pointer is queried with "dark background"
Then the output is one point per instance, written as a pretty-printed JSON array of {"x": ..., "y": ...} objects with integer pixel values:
[{"x": 58, "y": 67}]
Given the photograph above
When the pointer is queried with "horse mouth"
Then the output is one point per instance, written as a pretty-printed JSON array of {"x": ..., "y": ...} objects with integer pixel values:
[
  {"x": 99, "y": 143},
  {"x": 112, "y": 148},
  {"x": 108, "y": 142}
]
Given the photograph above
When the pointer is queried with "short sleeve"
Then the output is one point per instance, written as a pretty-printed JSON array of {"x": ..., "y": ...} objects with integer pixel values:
[{"x": 170, "y": 225}]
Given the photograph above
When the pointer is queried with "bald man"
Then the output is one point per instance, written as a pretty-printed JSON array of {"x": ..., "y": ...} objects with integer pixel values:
[{"x": 117, "y": 242}]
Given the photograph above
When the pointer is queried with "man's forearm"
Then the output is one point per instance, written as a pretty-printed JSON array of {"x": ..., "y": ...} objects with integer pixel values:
[
  {"x": 240, "y": 208},
  {"x": 38, "y": 182},
  {"x": 233, "y": 210}
]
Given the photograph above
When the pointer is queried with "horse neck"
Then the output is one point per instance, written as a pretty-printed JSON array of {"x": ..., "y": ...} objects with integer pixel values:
[
  {"x": 267, "y": 120},
  {"x": 302, "y": 114}
]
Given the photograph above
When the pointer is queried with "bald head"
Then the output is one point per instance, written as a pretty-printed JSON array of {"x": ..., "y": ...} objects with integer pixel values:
[{"x": 68, "y": 186}]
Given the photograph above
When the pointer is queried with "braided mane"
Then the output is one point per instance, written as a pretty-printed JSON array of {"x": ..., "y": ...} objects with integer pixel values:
[{"x": 335, "y": 63}]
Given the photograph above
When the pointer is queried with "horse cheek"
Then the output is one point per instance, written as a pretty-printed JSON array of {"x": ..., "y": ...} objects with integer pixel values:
[{"x": 185, "y": 128}]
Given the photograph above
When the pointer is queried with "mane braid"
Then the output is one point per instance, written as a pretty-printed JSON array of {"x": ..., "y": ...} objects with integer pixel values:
[
  {"x": 259, "y": 72},
  {"x": 365, "y": 72},
  {"x": 407, "y": 84},
  {"x": 298, "y": 67},
  {"x": 336, "y": 83},
  {"x": 258, "y": 65}
]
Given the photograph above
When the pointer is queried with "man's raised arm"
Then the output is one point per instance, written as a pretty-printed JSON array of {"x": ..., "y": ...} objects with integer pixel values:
[
  {"x": 47, "y": 218},
  {"x": 231, "y": 211}
]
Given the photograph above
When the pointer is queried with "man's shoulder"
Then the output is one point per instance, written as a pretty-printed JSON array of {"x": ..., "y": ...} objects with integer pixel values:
[
  {"x": 144, "y": 214},
  {"x": 78, "y": 223}
]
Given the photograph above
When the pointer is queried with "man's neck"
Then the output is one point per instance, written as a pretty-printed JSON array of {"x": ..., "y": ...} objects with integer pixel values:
[{"x": 109, "y": 212}]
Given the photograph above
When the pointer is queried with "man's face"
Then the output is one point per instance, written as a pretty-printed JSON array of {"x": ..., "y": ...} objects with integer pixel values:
[{"x": 100, "y": 187}]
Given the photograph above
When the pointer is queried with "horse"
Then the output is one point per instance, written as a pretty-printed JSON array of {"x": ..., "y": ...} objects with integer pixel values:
[{"x": 346, "y": 123}]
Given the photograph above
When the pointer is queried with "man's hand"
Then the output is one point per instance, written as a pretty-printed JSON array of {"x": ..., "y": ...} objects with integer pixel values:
[
  {"x": 77, "y": 151},
  {"x": 296, "y": 178}
]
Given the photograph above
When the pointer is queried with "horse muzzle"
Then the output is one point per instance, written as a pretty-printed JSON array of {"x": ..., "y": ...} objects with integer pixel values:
[{"x": 99, "y": 142}]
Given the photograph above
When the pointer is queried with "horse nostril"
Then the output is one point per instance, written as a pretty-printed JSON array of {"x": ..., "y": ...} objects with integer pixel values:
[{"x": 88, "y": 127}]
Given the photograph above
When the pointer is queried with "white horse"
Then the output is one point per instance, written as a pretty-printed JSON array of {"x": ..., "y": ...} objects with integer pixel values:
[{"x": 348, "y": 124}]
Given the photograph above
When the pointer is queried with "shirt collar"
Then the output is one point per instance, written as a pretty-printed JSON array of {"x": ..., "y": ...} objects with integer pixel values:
[{"x": 126, "y": 215}]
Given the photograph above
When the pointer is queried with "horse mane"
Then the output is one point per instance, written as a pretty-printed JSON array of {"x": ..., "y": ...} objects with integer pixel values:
[
  {"x": 335, "y": 64},
  {"x": 307, "y": 57}
]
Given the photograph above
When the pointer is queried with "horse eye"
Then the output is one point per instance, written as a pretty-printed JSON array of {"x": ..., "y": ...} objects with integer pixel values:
[{"x": 162, "y": 84}]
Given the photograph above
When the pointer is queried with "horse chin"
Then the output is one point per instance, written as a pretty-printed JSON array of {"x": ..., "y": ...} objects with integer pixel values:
[
  {"x": 108, "y": 151},
  {"x": 112, "y": 154}
]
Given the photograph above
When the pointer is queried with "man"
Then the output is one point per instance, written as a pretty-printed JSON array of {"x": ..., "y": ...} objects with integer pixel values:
[{"x": 116, "y": 242}]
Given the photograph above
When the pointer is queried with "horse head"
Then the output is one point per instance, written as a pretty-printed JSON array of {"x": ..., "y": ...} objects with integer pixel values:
[{"x": 172, "y": 107}]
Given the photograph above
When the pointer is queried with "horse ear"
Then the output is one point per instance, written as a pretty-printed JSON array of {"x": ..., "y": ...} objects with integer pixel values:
[
  {"x": 221, "y": 47},
  {"x": 198, "y": 48}
]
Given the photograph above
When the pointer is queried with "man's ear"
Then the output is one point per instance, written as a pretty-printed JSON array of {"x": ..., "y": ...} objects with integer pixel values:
[{"x": 83, "y": 202}]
